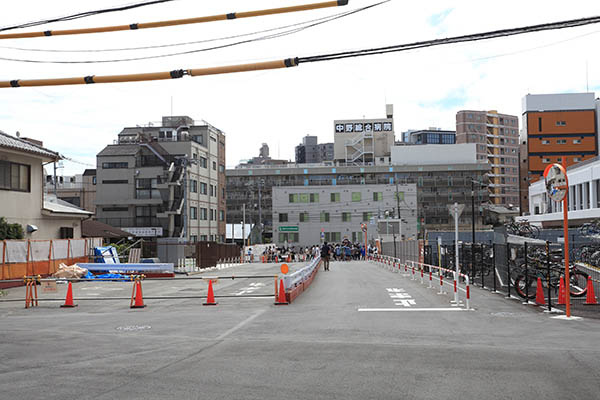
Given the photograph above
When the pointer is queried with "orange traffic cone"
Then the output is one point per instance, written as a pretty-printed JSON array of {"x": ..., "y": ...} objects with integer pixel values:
[
  {"x": 591, "y": 297},
  {"x": 137, "y": 294},
  {"x": 281, "y": 300},
  {"x": 210, "y": 300},
  {"x": 539, "y": 293},
  {"x": 562, "y": 297},
  {"x": 69, "y": 299}
]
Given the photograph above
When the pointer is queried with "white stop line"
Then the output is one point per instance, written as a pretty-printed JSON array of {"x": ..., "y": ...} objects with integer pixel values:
[{"x": 407, "y": 309}]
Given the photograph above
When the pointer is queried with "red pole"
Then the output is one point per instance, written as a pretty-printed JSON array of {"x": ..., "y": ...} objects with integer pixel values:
[{"x": 566, "y": 234}]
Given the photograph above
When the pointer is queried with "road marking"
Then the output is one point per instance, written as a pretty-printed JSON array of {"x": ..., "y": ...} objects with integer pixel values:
[
  {"x": 250, "y": 289},
  {"x": 400, "y": 297},
  {"x": 408, "y": 309},
  {"x": 241, "y": 324}
]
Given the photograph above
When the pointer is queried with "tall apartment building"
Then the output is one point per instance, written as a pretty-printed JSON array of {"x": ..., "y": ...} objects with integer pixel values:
[
  {"x": 165, "y": 181},
  {"x": 311, "y": 151},
  {"x": 497, "y": 139},
  {"x": 557, "y": 128},
  {"x": 364, "y": 141}
]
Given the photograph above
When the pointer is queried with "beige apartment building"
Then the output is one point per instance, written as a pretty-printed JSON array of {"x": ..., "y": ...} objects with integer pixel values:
[
  {"x": 164, "y": 181},
  {"x": 497, "y": 138}
]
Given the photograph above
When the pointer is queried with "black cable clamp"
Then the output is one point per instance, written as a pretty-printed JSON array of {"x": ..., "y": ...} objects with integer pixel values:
[
  {"x": 15, "y": 83},
  {"x": 89, "y": 79},
  {"x": 134, "y": 26},
  {"x": 291, "y": 62},
  {"x": 231, "y": 16},
  {"x": 177, "y": 73},
  {"x": 47, "y": 33},
  {"x": 342, "y": 2}
]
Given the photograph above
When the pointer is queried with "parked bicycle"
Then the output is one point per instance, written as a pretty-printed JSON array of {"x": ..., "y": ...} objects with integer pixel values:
[
  {"x": 526, "y": 283},
  {"x": 590, "y": 228},
  {"x": 522, "y": 228}
]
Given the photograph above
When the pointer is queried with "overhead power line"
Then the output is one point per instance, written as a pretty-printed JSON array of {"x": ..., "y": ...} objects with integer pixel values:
[
  {"x": 295, "y": 28},
  {"x": 186, "y": 21},
  {"x": 292, "y": 62},
  {"x": 84, "y": 14}
]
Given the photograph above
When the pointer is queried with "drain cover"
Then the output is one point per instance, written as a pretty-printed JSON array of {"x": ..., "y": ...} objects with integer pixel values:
[{"x": 133, "y": 328}]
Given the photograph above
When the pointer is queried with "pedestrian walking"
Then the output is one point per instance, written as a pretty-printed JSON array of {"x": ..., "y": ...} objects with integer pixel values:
[{"x": 325, "y": 250}]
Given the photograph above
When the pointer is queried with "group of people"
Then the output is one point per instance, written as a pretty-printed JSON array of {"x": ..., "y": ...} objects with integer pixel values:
[
  {"x": 345, "y": 251},
  {"x": 295, "y": 253}
]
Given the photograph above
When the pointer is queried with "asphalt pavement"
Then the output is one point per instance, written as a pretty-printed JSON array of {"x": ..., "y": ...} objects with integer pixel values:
[{"x": 359, "y": 332}]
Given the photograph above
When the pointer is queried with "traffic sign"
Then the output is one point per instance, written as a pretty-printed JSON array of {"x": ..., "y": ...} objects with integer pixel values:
[
  {"x": 288, "y": 229},
  {"x": 284, "y": 269},
  {"x": 456, "y": 209}
]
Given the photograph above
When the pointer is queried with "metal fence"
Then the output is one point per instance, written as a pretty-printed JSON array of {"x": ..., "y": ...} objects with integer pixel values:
[{"x": 514, "y": 270}]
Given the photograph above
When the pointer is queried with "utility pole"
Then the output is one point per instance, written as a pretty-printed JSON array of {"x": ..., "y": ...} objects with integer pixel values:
[
  {"x": 397, "y": 198},
  {"x": 243, "y": 224},
  {"x": 473, "y": 211},
  {"x": 260, "y": 229}
]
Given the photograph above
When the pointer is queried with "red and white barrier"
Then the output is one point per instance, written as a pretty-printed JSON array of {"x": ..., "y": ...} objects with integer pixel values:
[{"x": 420, "y": 267}]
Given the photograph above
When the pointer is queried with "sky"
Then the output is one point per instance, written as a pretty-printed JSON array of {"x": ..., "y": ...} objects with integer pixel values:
[{"x": 278, "y": 107}]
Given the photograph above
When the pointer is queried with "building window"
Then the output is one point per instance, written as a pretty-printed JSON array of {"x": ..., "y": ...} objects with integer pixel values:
[
  {"x": 324, "y": 216},
  {"x": 221, "y": 215},
  {"x": 203, "y": 162},
  {"x": 333, "y": 237},
  {"x": 204, "y": 214},
  {"x": 193, "y": 186},
  {"x": 115, "y": 209},
  {"x": 561, "y": 141},
  {"x": 576, "y": 141},
  {"x": 193, "y": 238},
  {"x": 293, "y": 197},
  {"x": 378, "y": 196},
  {"x": 203, "y": 188},
  {"x": 561, "y": 123},
  {"x": 291, "y": 237},
  {"x": 367, "y": 216},
  {"x": 545, "y": 142},
  {"x": 314, "y": 197},
  {"x": 193, "y": 213},
  {"x": 539, "y": 124},
  {"x": 115, "y": 181},
  {"x": 145, "y": 188},
  {"x": 114, "y": 165},
  {"x": 221, "y": 168},
  {"x": 303, "y": 217},
  {"x": 335, "y": 197},
  {"x": 576, "y": 159},
  {"x": 283, "y": 217},
  {"x": 356, "y": 196},
  {"x": 14, "y": 176},
  {"x": 213, "y": 191},
  {"x": 213, "y": 215},
  {"x": 214, "y": 165},
  {"x": 346, "y": 217},
  {"x": 559, "y": 159}
]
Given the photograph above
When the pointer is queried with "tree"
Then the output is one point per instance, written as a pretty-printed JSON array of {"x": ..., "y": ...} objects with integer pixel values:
[{"x": 10, "y": 231}]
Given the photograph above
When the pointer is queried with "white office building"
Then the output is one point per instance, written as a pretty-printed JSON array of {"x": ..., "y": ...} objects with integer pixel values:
[{"x": 583, "y": 197}]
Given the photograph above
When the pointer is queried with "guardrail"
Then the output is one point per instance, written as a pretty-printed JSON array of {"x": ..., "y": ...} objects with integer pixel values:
[
  {"x": 296, "y": 283},
  {"x": 419, "y": 271}
]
